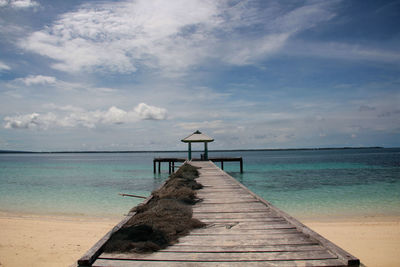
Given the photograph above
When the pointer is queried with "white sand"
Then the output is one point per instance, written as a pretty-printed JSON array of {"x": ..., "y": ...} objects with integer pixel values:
[
  {"x": 375, "y": 241},
  {"x": 48, "y": 241},
  {"x": 27, "y": 240}
]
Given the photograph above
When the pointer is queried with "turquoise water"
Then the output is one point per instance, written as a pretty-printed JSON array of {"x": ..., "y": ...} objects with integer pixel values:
[{"x": 303, "y": 183}]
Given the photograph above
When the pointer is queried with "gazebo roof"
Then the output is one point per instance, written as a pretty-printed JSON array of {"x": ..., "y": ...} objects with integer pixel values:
[{"x": 197, "y": 136}]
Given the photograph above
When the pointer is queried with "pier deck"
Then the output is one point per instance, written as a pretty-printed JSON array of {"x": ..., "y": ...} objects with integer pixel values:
[
  {"x": 172, "y": 161},
  {"x": 242, "y": 229}
]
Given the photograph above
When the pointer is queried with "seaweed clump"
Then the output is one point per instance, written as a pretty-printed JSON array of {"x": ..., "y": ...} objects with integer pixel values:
[{"x": 163, "y": 219}]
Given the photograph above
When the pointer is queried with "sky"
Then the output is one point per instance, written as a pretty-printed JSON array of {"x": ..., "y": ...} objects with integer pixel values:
[{"x": 143, "y": 74}]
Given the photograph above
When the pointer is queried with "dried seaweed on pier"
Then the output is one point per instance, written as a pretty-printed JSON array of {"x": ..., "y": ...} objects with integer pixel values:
[{"x": 163, "y": 219}]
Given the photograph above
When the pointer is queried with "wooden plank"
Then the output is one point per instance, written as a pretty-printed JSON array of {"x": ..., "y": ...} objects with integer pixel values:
[
  {"x": 227, "y": 207},
  {"x": 255, "y": 226},
  {"x": 251, "y": 234},
  {"x": 226, "y": 195},
  {"x": 229, "y": 241},
  {"x": 242, "y": 220},
  {"x": 232, "y": 231},
  {"x": 243, "y": 249},
  {"x": 249, "y": 238},
  {"x": 223, "y": 256},
  {"x": 226, "y": 201},
  {"x": 237, "y": 215},
  {"x": 297, "y": 263},
  {"x": 231, "y": 206},
  {"x": 228, "y": 210},
  {"x": 309, "y": 263},
  {"x": 249, "y": 224},
  {"x": 215, "y": 189}
]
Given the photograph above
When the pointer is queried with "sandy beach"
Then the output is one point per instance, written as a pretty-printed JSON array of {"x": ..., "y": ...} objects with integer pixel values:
[
  {"x": 374, "y": 240},
  {"x": 33, "y": 240}
]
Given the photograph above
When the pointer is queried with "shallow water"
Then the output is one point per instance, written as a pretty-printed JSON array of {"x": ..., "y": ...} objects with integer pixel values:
[{"x": 303, "y": 183}]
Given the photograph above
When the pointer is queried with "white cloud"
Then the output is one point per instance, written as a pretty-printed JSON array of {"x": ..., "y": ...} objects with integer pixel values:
[
  {"x": 18, "y": 4},
  {"x": 115, "y": 116},
  {"x": 4, "y": 66},
  {"x": 147, "y": 112},
  {"x": 172, "y": 36},
  {"x": 22, "y": 121},
  {"x": 70, "y": 116},
  {"x": 37, "y": 79}
]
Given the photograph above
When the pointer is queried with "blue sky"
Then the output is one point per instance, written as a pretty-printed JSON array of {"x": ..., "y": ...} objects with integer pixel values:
[{"x": 141, "y": 75}]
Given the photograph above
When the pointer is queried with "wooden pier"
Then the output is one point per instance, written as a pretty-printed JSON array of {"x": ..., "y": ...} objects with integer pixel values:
[
  {"x": 172, "y": 161},
  {"x": 242, "y": 229}
]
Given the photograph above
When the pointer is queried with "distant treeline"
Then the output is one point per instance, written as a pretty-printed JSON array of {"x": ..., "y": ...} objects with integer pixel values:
[{"x": 181, "y": 151}]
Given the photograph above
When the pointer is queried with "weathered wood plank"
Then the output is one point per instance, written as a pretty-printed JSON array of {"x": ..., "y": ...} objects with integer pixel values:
[
  {"x": 243, "y": 249},
  {"x": 242, "y": 220},
  {"x": 249, "y": 224},
  {"x": 226, "y": 201},
  {"x": 248, "y": 238},
  {"x": 231, "y": 206},
  {"x": 225, "y": 192},
  {"x": 259, "y": 226},
  {"x": 229, "y": 241},
  {"x": 237, "y": 215},
  {"x": 227, "y": 210},
  {"x": 298, "y": 263},
  {"x": 232, "y": 231},
  {"x": 223, "y": 256}
]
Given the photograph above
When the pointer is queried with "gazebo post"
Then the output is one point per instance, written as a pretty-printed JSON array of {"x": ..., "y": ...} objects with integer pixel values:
[
  {"x": 205, "y": 151},
  {"x": 190, "y": 150}
]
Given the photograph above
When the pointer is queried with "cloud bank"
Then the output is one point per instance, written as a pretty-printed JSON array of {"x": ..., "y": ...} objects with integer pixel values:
[
  {"x": 171, "y": 36},
  {"x": 71, "y": 117}
]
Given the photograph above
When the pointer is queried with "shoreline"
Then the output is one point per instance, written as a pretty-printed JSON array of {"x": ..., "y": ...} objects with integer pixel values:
[{"x": 60, "y": 240}]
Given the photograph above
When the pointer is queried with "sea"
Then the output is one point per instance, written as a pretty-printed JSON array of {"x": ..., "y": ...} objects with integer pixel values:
[{"x": 334, "y": 183}]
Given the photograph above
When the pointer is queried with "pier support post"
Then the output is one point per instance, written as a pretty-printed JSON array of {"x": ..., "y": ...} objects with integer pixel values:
[
  {"x": 205, "y": 151},
  {"x": 154, "y": 165},
  {"x": 222, "y": 164},
  {"x": 159, "y": 167},
  {"x": 241, "y": 165}
]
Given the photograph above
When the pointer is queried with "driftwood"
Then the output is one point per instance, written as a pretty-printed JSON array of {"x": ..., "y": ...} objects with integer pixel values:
[{"x": 129, "y": 195}]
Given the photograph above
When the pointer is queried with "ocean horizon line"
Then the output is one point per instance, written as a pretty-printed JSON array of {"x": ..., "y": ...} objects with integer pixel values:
[{"x": 182, "y": 151}]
